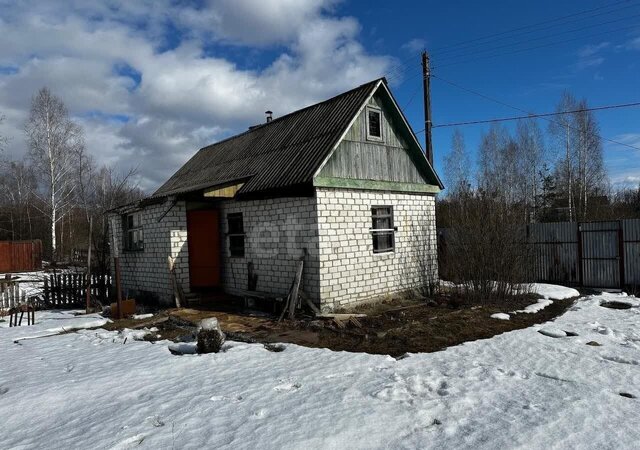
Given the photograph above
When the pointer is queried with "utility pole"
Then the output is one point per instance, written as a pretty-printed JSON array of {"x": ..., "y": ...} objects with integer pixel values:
[{"x": 426, "y": 83}]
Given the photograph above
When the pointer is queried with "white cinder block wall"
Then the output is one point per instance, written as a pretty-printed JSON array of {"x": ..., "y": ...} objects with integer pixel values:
[
  {"x": 148, "y": 270},
  {"x": 276, "y": 232},
  {"x": 334, "y": 227},
  {"x": 350, "y": 272}
]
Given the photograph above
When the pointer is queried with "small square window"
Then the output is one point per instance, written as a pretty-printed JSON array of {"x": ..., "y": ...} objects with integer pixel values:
[
  {"x": 383, "y": 230},
  {"x": 133, "y": 235},
  {"x": 236, "y": 235},
  {"x": 374, "y": 124}
]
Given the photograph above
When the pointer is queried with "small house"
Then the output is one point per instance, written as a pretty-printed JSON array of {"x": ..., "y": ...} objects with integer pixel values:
[{"x": 343, "y": 185}]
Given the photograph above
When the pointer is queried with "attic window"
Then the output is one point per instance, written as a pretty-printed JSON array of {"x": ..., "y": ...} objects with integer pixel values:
[{"x": 374, "y": 124}]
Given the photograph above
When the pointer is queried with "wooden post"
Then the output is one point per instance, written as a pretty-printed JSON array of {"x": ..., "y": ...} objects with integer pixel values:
[
  {"x": 580, "y": 269},
  {"x": 116, "y": 266},
  {"x": 47, "y": 293},
  {"x": 293, "y": 301},
  {"x": 88, "y": 280},
  {"x": 426, "y": 83},
  {"x": 621, "y": 253}
]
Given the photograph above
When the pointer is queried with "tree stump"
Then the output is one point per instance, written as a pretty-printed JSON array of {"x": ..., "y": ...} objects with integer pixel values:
[{"x": 210, "y": 336}]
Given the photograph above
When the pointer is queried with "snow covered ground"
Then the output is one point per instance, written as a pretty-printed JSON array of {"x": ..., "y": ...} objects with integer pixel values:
[
  {"x": 523, "y": 389},
  {"x": 553, "y": 291}
]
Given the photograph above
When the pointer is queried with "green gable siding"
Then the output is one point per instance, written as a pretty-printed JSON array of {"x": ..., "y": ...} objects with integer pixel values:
[{"x": 357, "y": 158}]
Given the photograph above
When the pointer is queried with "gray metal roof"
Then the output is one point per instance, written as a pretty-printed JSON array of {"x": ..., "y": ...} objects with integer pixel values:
[{"x": 283, "y": 153}]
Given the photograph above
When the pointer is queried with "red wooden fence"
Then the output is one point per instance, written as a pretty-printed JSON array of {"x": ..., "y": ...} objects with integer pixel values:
[{"x": 17, "y": 256}]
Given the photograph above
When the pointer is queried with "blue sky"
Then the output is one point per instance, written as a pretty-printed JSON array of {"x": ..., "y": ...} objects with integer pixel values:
[
  {"x": 604, "y": 69},
  {"x": 151, "y": 81}
]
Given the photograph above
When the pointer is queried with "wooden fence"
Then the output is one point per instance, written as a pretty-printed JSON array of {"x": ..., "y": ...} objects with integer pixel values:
[
  {"x": 10, "y": 296},
  {"x": 69, "y": 290},
  {"x": 16, "y": 256}
]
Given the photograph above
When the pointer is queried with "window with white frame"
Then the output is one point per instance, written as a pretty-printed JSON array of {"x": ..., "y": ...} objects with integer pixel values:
[
  {"x": 383, "y": 230},
  {"x": 236, "y": 235},
  {"x": 374, "y": 123},
  {"x": 133, "y": 235}
]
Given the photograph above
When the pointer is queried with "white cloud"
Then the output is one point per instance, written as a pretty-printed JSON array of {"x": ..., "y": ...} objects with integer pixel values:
[
  {"x": 633, "y": 44},
  {"x": 590, "y": 56},
  {"x": 592, "y": 49},
  {"x": 414, "y": 45},
  {"x": 191, "y": 92}
]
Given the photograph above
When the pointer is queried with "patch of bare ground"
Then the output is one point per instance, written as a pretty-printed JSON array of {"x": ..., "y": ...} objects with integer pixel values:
[
  {"x": 418, "y": 327},
  {"x": 392, "y": 327}
]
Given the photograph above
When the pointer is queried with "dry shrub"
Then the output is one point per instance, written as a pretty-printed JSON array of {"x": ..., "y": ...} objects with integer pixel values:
[{"x": 485, "y": 252}]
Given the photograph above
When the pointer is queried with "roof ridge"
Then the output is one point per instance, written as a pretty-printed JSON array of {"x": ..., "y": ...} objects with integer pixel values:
[
  {"x": 262, "y": 125},
  {"x": 264, "y": 152}
]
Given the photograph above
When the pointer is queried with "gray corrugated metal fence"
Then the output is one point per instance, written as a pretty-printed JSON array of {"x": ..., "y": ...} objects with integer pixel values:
[
  {"x": 631, "y": 240},
  {"x": 555, "y": 252},
  {"x": 595, "y": 254}
]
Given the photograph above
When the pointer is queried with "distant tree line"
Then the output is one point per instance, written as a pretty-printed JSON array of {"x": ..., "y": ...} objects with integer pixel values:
[
  {"x": 57, "y": 189},
  {"x": 557, "y": 176},
  {"x": 521, "y": 177}
]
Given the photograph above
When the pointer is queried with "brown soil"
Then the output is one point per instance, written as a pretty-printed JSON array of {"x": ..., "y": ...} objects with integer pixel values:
[{"x": 393, "y": 327}]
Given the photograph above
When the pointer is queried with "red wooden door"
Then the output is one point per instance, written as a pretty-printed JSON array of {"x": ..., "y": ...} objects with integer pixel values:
[{"x": 204, "y": 248}]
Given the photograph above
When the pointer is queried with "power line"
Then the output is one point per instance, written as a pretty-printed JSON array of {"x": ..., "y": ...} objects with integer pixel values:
[
  {"x": 398, "y": 69},
  {"x": 413, "y": 95},
  {"x": 579, "y": 13},
  {"x": 529, "y": 113},
  {"x": 533, "y": 116},
  {"x": 464, "y": 61},
  {"x": 536, "y": 28},
  {"x": 511, "y": 44}
]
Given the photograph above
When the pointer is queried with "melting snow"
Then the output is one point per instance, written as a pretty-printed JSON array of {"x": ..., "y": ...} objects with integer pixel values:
[
  {"x": 554, "y": 292},
  {"x": 522, "y": 389},
  {"x": 500, "y": 316}
]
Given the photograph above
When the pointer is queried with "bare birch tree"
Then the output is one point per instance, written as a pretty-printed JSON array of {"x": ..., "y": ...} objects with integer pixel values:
[
  {"x": 491, "y": 145},
  {"x": 591, "y": 178},
  {"x": 457, "y": 166},
  {"x": 580, "y": 167},
  {"x": 532, "y": 158},
  {"x": 54, "y": 143},
  {"x": 17, "y": 183},
  {"x": 500, "y": 169}
]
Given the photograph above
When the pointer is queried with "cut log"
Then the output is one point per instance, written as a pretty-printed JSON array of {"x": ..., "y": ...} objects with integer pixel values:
[{"x": 210, "y": 336}]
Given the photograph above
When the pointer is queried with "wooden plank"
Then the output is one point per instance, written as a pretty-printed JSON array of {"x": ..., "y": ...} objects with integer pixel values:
[
  {"x": 310, "y": 304},
  {"x": 293, "y": 303},
  {"x": 344, "y": 316}
]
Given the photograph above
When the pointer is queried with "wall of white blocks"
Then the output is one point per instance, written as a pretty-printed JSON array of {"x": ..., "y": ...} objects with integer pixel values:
[
  {"x": 148, "y": 270},
  {"x": 350, "y": 272},
  {"x": 332, "y": 230},
  {"x": 277, "y": 233}
]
